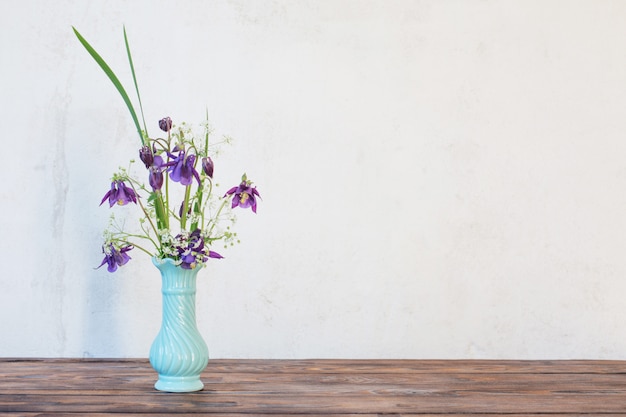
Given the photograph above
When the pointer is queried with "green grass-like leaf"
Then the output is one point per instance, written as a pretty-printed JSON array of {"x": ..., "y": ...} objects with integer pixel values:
[
  {"x": 116, "y": 82},
  {"x": 132, "y": 70}
]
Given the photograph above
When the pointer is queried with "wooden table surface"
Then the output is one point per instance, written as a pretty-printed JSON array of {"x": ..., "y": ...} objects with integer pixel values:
[{"x": 331, "y": 388}]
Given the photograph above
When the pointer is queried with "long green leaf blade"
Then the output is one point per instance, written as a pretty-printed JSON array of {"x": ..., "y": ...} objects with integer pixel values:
[
  {"x": 132, "y": 70},
  {"x": 116, "y": 82}
]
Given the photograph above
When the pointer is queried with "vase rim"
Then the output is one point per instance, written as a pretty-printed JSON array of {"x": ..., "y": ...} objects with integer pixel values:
[{"x": 160, "y": 261}]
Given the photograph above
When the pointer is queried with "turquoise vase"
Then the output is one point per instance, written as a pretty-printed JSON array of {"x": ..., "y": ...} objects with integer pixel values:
[{"x": 178, "y": 354}]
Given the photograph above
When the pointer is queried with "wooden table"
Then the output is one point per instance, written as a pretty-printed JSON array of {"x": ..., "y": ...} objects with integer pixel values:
[{"x": 331, "y": 388}]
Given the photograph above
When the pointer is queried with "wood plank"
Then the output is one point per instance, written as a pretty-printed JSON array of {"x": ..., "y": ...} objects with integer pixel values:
[
  {"x": 347, "y": 365},
  {"x": 285, "y": 415},
  {"x": 450, "y": 402},
  {"x": 331, "y": 388},
  {"x": 251, "y": 383},
  {"x": 80, "y": 414},
  {"x": 292, "y": 415}
]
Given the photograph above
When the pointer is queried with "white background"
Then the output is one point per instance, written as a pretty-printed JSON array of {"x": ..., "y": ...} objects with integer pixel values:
[{"x": 440, "y": 179}]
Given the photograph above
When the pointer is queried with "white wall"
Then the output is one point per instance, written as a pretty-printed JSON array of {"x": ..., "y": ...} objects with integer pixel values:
[{"x": 440, "y": 179}]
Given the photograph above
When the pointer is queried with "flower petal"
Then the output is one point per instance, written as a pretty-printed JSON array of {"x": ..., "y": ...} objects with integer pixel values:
[
  {"x": 235, "y": 201},
  {"x": 107, "y": 195},
  {"x": 231, "y": 191}
]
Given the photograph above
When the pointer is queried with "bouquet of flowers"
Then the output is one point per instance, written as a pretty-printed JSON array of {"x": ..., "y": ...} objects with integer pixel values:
[{"x": 180, "y": 213}]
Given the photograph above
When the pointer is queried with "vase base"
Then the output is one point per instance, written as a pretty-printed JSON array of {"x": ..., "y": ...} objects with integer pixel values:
[{"x": 179, "y": 383}]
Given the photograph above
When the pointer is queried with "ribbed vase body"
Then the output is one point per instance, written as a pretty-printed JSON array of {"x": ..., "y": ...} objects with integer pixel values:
[{"x": 178, "y": 354}]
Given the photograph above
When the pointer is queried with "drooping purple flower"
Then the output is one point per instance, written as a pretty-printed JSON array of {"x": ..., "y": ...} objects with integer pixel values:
[
  {"x": 165, "y": 124},
  {"x": 182, "y": 170},
  {"x": 119, "y": 194},
  {"x": 207, "y": 166},
  {"x": 115, "y": 257},
  {"x": 244, "y": 195}
]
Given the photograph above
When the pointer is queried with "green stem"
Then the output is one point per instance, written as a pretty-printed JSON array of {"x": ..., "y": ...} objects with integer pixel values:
[
  {"x": 145, "y": 212},
  {"x": 146, "y": 235},
  {"x": 143, "y": 237},
  {"x": 126, "y": 242},
  {"x": 141, "y": 248},
  {"x": 183, "y": 217},
  {"x": 217, "y": 216},
  {"x": 203, "y": 204},
  {"x": 167, "y": 180},
  {"x": 161, "y": 213},
  {"x": 197, "y": 209},
  {"x": 206, "y": 134}
]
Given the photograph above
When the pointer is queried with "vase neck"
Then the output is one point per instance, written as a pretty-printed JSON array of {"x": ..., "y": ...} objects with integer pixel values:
[{"x": 177, "y": 280}]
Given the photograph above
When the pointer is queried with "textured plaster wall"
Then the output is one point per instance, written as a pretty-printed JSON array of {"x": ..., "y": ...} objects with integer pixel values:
[{"x": 441, "y": 179}]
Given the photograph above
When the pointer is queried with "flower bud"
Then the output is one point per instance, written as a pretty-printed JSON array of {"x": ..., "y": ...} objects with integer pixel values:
[
  {"x": 146, "y": 156},
  {"x": 165, "y": 124},
  {"x": 180, "y": 210},
  {"x": 155, "y": 178},
  {"x": 207, "y": 166}
]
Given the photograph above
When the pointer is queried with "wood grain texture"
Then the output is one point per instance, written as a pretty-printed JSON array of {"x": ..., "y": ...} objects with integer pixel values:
[{"x": 315, "y": 388}]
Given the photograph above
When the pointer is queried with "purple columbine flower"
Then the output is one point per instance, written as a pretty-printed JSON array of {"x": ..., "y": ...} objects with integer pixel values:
[
  {"x": 120, "y": 194},
  {"x": 114, "y": 257},
  {"x": 196, "y": 242},
  {"x": 188, "y": 259},
  {"x": 207, "y": 166},
  {"x": 165, "y": 124},
  {"x": 194, "y": 250},
  {"x": 244, "y": 195},
  {"x": 181, "y": 168}
]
